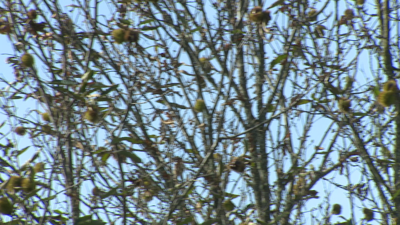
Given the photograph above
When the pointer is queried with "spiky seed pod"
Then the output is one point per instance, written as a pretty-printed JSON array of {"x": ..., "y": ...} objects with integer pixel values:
[
  {"x": 131, "y": 35},
  {"x": 344, "y": 105},
  {"x": 46, "y": 128},
  {"x": 96, "y": 191},
  {"x": 349, "y": 13},
  {"x": 179, "y": 167},
  {"x": 319, "y": 31},
  {"x": 337, "y": 209},
  {"x": 39, "y": 167},
  {"x": 390, "y": 85},
  {"x": 387, "y": 98},
  {"x": 237, "y": 164},
  {"x": 206, "y": 65},
  {"x": 228, "y": 205},
  {"x": 92, "y": 115},
  {"x": 20, "y": 131},
  {"x": 4, "y": 27},
  {"x": 256, "y": 14},
  {"x": 259, "y": 16},
  {"x": 199, "y": 106},
  {"x": 32, "y": 14},
  {"x": 360, "y": 2},
  {"x": 312, "y": 14},
  {"x": 368, "y": 214},
  {"x": 46, "y": 116},
  {"x": 147, "y": 196},
  {"x": 27, "y": 60},
  {"x": 119, "y": 35},
  {"x": 5, "y": 206},
  {"x": 13, "y": 182},
  {"x": 28, "y": 185}
]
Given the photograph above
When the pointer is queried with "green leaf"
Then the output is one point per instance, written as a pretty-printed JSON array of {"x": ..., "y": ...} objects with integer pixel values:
[
  {"x": 110, "y": 89},
  {"x": 22, "y": 150},
  {"x": 277, "y": 60},
  {"x": 209, "y": 222},
  {"x": 105, "y": 157},
  {"x": 375, "y": 91},
  {"x": 146, "y": 21},
  {"x": 149, "y": 28},
  {"x": 185, "y": 221},
  {"x": 196, "y": 29},
  {"x": 231, "y": 196},
  {"x": 303, "y": 101},
  {"x": 131, "y": 155},
  {"x": 49, "y": 198},
  {"x": 131, "y": 140},
  {"x": 16, "y": 97},
  {"x": 178, "y": 106},
  {"x": 64, "y": 82},
  {"x": 124, "y": 21}
]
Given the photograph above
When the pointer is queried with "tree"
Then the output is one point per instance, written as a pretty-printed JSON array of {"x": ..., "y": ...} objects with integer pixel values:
[{"x": 201, "y": 112}]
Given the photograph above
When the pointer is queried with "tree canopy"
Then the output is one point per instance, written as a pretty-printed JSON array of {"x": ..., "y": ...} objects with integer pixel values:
[{"x": 200, "y": 112}]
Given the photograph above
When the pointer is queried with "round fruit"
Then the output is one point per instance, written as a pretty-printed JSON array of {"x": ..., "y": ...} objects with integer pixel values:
[
  {"x": 32, "y": 14},
  {"x": 390, "y": 85},
  {"x": 387, "y": 98},
  {"x": 349, "y": 13},
  {"x": 20, "y": 131},
  {"x": 5, "y": 206},
  {"x": 119, "y": 35},
  {"x": 92, "y": 115},
  {"x": 46, "y": 117},
  {"x": 39, "y": 167},
  {"x": 28, "y": 185},
  {"x": 344, "y": 105},
  {"x": 27, "y": 60},
  {"x": 199, "y": 106},
  {"x": 337, "y": 209},
  {"x": 46, "y": 128}
]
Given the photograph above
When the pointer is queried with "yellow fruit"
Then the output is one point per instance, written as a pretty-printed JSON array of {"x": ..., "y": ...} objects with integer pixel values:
[
  {"x": 387, "y": 98},
  {"x": 368, "y": 214},
  {"x": 27, "y": 60},
  {"x": 28, "y": 185},
  {"x": 344, "y": 105},
  {"x": 20, "y": 131},
  {"x": 349, "y": 13},
  {"x": 32, "y": 14},
  {"x": 5, "y": 206},
  {"x": 39, "y": 167},
  {"x": 199, "y": 106},
  {"x": 46, "y": 117},
  {"x": 119, "y": 35},
  {"x": 390, "y": 85},
  {"x": 92, "y": 115},
  {"x": 337, "y": 209}
]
